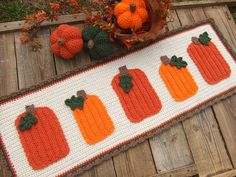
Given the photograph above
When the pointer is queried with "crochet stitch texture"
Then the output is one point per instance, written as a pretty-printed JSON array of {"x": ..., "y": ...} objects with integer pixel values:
[
  {"x": 209, "y": 61},
  {"x": 93, "y": 120},
  {"x": 141, "y": 101},
  {"x": 178, "y": 81},
  {"x": 66, "y": 41},
  {"x": 44, "y": 143}
]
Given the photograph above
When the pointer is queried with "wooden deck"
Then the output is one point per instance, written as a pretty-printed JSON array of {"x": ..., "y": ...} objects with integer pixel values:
[{"x": 203, "y": 145}]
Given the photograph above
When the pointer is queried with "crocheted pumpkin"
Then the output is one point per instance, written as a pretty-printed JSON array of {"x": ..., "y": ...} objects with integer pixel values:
[
  {"x": 177, "y": 78},
  {"x": 131, "y": 14},
  {"x": 137, "y": 96},
  {"x": 41, "y": 136},
  {"x": 208, "y": 59},
  {"x": 96, "y": 42},
  {"x": 91, "y": 116},
  {"x": 66, "y": 41}
]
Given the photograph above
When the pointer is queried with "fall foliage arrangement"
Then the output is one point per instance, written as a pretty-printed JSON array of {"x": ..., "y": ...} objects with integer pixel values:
[{"x": 126, "y": 21}]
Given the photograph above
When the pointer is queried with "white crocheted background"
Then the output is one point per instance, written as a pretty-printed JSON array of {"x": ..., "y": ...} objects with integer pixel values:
[{"x": 97, "y": 81}]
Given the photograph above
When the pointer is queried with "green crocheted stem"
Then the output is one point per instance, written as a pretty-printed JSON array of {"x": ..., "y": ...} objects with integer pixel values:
[
  {"x": 126, "y": 82},
  {"x": 204, "y": 38},
  {"x": 75, "y": 102},
  {"x": 27, "y": 122},
  {"x": 178, "y": 62}
]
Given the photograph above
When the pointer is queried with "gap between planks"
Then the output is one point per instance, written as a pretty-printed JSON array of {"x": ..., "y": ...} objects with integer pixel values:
[{"x": 186, "y": 171}]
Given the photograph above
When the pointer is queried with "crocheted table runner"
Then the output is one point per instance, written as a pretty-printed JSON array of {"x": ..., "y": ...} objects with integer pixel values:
[{"x": 74, "y": 121}]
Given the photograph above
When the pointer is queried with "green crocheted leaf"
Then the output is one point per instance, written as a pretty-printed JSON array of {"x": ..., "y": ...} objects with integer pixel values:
[
  {"x": 204, "y": 38},
  {"x": 126, "y": 82},
  {"x": 27, "y": 122},
  {"x": 178, "y": 62},
  {"x": 90, "y": 32},
  {"x": 75, "y": 102}
]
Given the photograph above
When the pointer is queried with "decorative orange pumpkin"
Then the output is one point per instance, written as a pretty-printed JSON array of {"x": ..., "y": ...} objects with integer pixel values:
[
  {"x": 208, "y": 59},
  {"x": 41, "y": 136},
  {"x": 131, "y": 14},
  {"x": 177, "y": 78},
  {"x": 91, "y": 116},
  {"x": 66, "y": 41},
  {"x": 137, "y": 96}
]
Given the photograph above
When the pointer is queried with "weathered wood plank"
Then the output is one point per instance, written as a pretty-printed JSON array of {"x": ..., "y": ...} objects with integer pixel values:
[
  {"x": 136, "y": 162},
  {"x": 8, "y": 78},
  {"x": 102, "y": 170},
  {"x": 186, "y": 171},
  {"x": 10, "y": 26},
  {"x": 34, "y": 67},
  {"x": 8, "y": 75},
  {"x": 200, "y": 3},
  {"x": 170, "y": 149},
  {"x": 226, "y": 115},
  {"x": 231, "y": 173},
  {"x": 225, "y": 24},
  {"x": 225, "y": 110},
  {"x": 105, "y": 169},
  {"x": 206, "y": 144},
  {"x": 202, "y": 131}
]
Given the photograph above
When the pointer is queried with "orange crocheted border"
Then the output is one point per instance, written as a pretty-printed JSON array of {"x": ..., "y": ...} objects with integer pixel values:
[
  {"x": 210, "y": 62},
  {"x": 141, "y": 101},
  {"x": 44, "y": 143},
  {"x": 93, "y": 120},
  {"x": 179, "y": 82}
]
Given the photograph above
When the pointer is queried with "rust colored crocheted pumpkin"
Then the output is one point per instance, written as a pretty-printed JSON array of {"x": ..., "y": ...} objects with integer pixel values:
[
  {"x": 66, "y": 41},
  {"x": 41, "y": 136},
  {"x": 131, "y": 14},
  {"x": 137, "y": 96}
]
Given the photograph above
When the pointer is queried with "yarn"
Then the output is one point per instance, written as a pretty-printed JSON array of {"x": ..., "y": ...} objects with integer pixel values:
[
  {"x": 125, "y": 79},
  {"x": 204, "y": 38},
  {"x": 44, "y": 143},
  {"x": 131, "y": 14},
  {"x": 66, "y": 41},
  {"x": 75, "y": 102},
  {"x": 93, "y": 120},
  {"x": 178, "y": 62},
  {"x": 178, "y": 80},
  {"x": 96, "y": 42},
  {"x": 209, "y": 61},
  {"x": 141, "y": 101}
]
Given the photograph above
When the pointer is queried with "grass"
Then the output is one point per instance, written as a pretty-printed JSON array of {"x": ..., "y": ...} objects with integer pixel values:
[{"x": 13, "y": 10}]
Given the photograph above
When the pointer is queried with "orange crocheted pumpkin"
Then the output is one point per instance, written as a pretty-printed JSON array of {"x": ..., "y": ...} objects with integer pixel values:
[
  {"x": 177, "y": 78},
  {"x": 66, "y": 41},
  {"x": 131, "y": 14},
  {"x": 91, "y": 116}
]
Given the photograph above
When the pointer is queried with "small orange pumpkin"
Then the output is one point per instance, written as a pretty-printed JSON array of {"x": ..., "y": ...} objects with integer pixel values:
[
  {"x": 66, "y": 41},
  {"x": 131, "y": 14}
]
